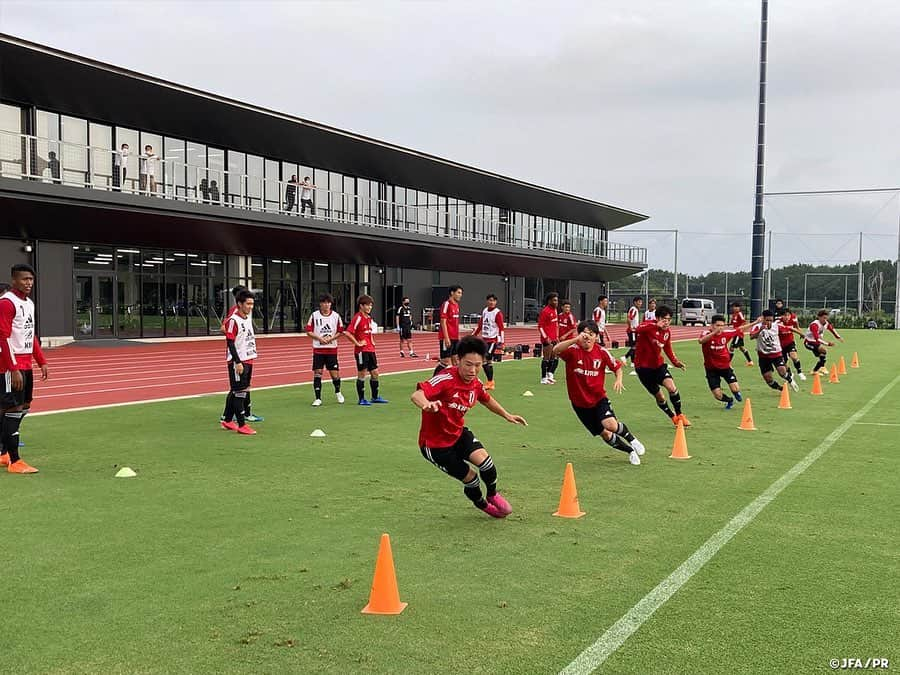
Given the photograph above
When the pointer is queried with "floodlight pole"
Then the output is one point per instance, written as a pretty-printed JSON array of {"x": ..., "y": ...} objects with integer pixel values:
[
  {"x": 897, "y": 282},
  {"x": 759, "y": 224},
  {"x": 860, "y": 284}
]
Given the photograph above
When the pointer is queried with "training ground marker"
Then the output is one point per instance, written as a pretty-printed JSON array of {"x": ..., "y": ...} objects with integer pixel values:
[{"x": 607, "y": 644}]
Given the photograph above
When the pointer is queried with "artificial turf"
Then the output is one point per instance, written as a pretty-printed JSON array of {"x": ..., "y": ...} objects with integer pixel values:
[{"x": 255, "y": 554}]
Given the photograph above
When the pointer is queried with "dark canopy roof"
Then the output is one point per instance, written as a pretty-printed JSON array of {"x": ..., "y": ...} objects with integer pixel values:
[{"x": 32, "y": 74}]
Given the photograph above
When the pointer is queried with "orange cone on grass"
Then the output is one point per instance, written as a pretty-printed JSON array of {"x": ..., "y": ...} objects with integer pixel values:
[
  {"x": 747, "y": 417},
  {"x": 568, "y": 498},
  {"x": 833, "y": 376},
  {"x": 385, "y": 597},
  {"x": 679, "y": 447},
  {"x": 785, "y": 402},
  {"x": 854, "y": 362},
  {"x": 842, "y": 367},
  {"x": 817, "y": 385}
]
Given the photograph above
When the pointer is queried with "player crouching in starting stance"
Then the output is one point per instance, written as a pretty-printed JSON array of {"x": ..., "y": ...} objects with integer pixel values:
[
  {"x": 443, "y": 438},
  {"x": 586, "y": 364}
]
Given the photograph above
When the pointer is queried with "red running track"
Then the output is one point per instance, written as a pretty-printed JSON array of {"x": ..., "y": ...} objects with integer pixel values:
[{"x": 87, "y": 376}]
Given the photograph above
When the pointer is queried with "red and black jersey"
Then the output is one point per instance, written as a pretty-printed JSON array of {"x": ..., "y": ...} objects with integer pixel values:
[
  {"x": 737, "y": 320},
  {"x": 586, "y": 372},
  {"x": 715, "y": 351},
  {"x": 548, "y": 324},
  {"x": 567, "y": 325},
  {"x": 442, "y": 429},
  {"x": 651, "y": 342},
  {"x": 450, "y": 314},
  {"x": 361, "y": 329}
]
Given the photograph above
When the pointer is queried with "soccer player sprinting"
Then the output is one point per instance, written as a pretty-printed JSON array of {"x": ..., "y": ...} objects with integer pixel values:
[
  {"x": 403, "y": 327},
  {"x": 599, "y": 316},
  {"x": 490, "y": 327},
  {"x": 814, "y": 338},
  {"x": 788, "y": 344},
  {"x": 586, "y": 366},
  {"x": 248, "y": 415},
  {"x": 651, "y": 339},
  {"x": 240, "y": 340},
  {"x": 446, "y": 442},
  {"x": 717, "y": 359},
  {"x": 325, "y": 327},
  {"x": 633, "y": 320},
  {"x": 737, "y": 342},
  {"x": 19, "y": 344},
  {"x": 768, "y": 350},
  {"x": 548, "y": 328},
  {"x": 449, "y": 337},
  {"x": 360, "y": 334},
  {"x": 568, "y": 324}
]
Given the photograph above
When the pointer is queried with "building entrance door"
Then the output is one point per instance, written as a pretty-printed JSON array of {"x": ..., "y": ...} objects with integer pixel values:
[{"x": 95, "y": 306}]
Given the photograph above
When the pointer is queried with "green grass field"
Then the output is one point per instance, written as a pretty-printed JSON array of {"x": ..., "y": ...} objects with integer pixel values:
[{"x": 255, "y": 554}]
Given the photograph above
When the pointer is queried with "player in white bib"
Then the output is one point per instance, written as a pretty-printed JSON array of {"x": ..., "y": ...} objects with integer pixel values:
[
  {"x": 325, "y": 327},
  {"x": 241, "y": 343},
  {"x": 599, "y": 317},
  {"x": 490, "y": 327}
]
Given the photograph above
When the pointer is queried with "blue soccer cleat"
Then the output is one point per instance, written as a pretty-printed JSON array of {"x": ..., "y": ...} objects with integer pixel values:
[
  {"x": 378, "y": 399},
  {"x": 254, "y": 418},
  {"x": 363, "y": 401},
  {"x": 729, "y": 405}
]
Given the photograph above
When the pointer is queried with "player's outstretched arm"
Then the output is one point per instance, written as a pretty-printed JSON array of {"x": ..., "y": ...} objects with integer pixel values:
[
  {"x": 422, "y": 403},
  {"x": 560, "y": 347},
  {"x": 494, "y": 406},
  {"x": 618, "y": 387}
]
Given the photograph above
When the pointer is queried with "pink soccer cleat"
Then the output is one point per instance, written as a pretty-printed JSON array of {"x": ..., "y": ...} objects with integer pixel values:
[
  {"x": 247, "y": 431},
  {"x": 230, "y": 426},
  {"x": 493, "y": 511},
  {"x": 500, "y": 502}
]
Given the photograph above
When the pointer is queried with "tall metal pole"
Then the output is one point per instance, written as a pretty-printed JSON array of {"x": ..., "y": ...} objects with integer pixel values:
[
  {"x": 861, "y": 284},
  {"x": 759, "y": 224},
  {"x": 769, "y": 275},
  {"x": 787, "y": 293},
  {"x": 675, "y": 286},
  {"x": 726, "y": 294},
  {"x": 897, "y": 282}
]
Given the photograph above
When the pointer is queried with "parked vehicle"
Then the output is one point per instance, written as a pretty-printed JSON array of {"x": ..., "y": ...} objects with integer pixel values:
[{"x": 697, "y": 310}]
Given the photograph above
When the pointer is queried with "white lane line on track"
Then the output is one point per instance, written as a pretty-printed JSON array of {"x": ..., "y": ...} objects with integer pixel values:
[{"x": 607, "y": 644}]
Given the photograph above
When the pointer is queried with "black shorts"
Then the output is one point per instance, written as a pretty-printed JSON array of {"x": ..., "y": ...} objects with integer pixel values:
[
  {"x": 736, "y": 341},
  {"x": 787, "y": 349},
  {"x": 767, "y": 365},
  {"x": 601, "y": 339},
  {"x": 242, "y": 381},
  {"x": 329, "y": 361},
  {"x": 447, "y": 353},
  {"x": 11, "y": 399},
  {"x": 714, "y": 377},
  {"x": 592, "y": 418},
  {"x": 452, "y": 460},
  {"x": 405, "y": 332},
  {"x": 366, "y": 361},
  {"x": 652, "y": 378},
  {"x": 494, "y": 351},
  {"x": 813, "y": 348},
  {"x": 548, "y": 343}
]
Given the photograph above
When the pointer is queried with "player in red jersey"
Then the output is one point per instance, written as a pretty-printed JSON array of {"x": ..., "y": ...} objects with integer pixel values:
[
  {"x": 446, "y": 442},
  {"x": 814, "y": 338},
  {"x": 652, "y": 338},
  {"x": 240, "y": 341},
  {"x": 599, "y": 316},
  {"x": 586, "y": 366},
  {"x": 548, "y": 328},
  {"x": 19, "y": 344},
  {"x": 633, "y": 320},
  {"x": 717, "y": 359},
  {"x": 568, "y": 324},
  {"x": 788, "y": 345},
  {"x": 449, "y": 329},
  {"x": 490, "y": 328},
  {"x": 360, "y": 334},
  {"x": 737, "y": 342}
]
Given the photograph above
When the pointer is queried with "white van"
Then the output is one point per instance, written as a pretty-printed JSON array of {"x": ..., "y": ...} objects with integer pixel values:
[{"x": 697, "y": 310}]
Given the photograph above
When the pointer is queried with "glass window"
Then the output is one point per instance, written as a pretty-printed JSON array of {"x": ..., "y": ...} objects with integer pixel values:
[
  {"x": 216, "y": 174},
  {"x": 100, "y": 157},
  {"x": 74, "y": 154},
  {"x": 348, "y": 198},
  {"x": 254, "y": 181},
  {"x": 320, "y": 194},
  {"x": 196, "y": 180},
  {"x": 150, "y": 170},
  {"x": 258, "y": 286},
  {"x": 173, "y": 168},
  {"x": 45, "y": 160},
  {"x": 129, "y": 137},
  {"x": 235, "y": 182},
  {"x": 11, "y": 146},
  {"x": 272, "y": 186}
]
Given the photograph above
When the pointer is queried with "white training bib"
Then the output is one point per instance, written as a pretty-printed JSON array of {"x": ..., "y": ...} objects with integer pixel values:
[{"x": 21, "y": 338}]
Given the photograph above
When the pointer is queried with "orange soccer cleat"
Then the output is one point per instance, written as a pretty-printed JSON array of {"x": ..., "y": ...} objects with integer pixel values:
[
  {"x": 4, "y": 459},
  {"x": 247, "y": 431},
  {"x": 683, "y": 419},
  {"x": 229, "y": 426},
  {"x": 489, "y": 386},
  {"x": 749, "y": 364},
  {"x": 20, "y": 467}
]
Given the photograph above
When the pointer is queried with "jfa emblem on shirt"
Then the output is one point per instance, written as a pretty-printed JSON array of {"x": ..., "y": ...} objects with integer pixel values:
[
  {"x": 596, "y": 364},
  {"x": 471, "y": 398}
]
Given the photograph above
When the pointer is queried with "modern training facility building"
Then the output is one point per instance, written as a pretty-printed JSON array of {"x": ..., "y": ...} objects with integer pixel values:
[{"x": 146, "y": 242}]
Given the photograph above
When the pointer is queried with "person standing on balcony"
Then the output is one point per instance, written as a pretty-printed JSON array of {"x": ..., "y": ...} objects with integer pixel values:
[
  {"x": 120, "y": 168},
  {"x": 306, "y": 196},
  {"x": 147, "y": 170},
  {"x": 53, "y": 163},
  {"x": 290, "y": 194}
]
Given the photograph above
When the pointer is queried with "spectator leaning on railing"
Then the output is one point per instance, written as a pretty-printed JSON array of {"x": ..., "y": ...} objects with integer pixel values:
[
  {"x": 120, "y": 168},
  {"x": 290, "y": 193},
  {"x": 306, "y": 196},
  {"x": 147, "y": 169}
]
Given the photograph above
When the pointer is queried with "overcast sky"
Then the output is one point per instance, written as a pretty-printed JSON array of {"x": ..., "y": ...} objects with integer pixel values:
[{"x": 645, "y": 104}]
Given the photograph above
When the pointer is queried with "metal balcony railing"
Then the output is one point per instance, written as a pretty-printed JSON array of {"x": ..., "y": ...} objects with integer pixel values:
[{"x": 57, "y": 162}]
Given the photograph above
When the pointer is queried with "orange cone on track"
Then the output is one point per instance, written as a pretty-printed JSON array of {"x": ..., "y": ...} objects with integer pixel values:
[
  {"x": 785, "y": 402},
  {"x": 568, "y": 498},
  {"x": 817, "y": 385},
  {"x": 833, "y": 376},
  {"x": 854, "y": 362},
  {"x": 385, "y": 597},
  {"x": 679, "y": 447},
  {"x": 842, "y": 367},
  {"x": 747, "y": 417}
]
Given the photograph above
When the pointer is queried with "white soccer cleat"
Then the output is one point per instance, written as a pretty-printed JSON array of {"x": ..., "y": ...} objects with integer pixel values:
[
  {"x": 545, "y": 380},
  {"x": 552, "y": 378},
  {"x": 802, "y": 376},
  {"x": 340, "y": 397},
  {"x": 317, "y": 403},
  {"x": 794, "y": 385},
  {"x": 633, "y": 372},
  {"x": 638, "y": 447},
  {"x": 633, "y": 458},
  {"x": 623, "y": 360}
]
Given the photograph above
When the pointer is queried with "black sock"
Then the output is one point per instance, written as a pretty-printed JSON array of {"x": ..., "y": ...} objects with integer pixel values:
[
  {"x": 553, "y": 364},
  {"x": 489, "y": 371},
  {"x": 473, "y": 492},
  {"x": 373, "y": 385},
  {"x": 317, "y": 386},
  {"x": 665, "y": 408},
  {"x": 624, "y": 432},
  {"x": 337, "y": 384},
  {"x": 360, "y": 388},
  {"x": 489, "y": 475},
  {"x": 747, "y": 356},
  {"x": 774, "y": 385},
  {"x": 726, "y": 398},
  {"x": 675, "y": 398},
  {"x": 237, "y": 407},
  {"x": 821, "y": 363},
  {"x": 797, "y": 366},
  {"x": 247, "y": 405},
  {"x": 545, "y": 365},
  {"x": 787, "y": 374},
  {"x": 228, "y": 415},
  {"x": 10, "y": 434},
  {"x": 438, "y": 368},
  {"x": 619, "y": 443}
]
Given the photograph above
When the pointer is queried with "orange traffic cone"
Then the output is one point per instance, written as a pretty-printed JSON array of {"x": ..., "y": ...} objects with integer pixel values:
[
  {"x": 747, "y": 417},
  {"x": 833, "y": 376},
  {"x": 568, "y": 498},
  {"x": 785, "y": 402},
  {"x": 679, "y": 447},
  {"x": 384, "y": 598},
  {"x": 842, "y": 367},
  {"x": 817, "y": 385},
  {"x": 854, "y": 362}
]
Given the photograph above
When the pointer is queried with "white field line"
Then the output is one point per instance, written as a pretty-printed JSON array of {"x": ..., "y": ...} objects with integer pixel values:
[
  {"x": 881, "y": 424},
  {"x": 606, "y": 645}
]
